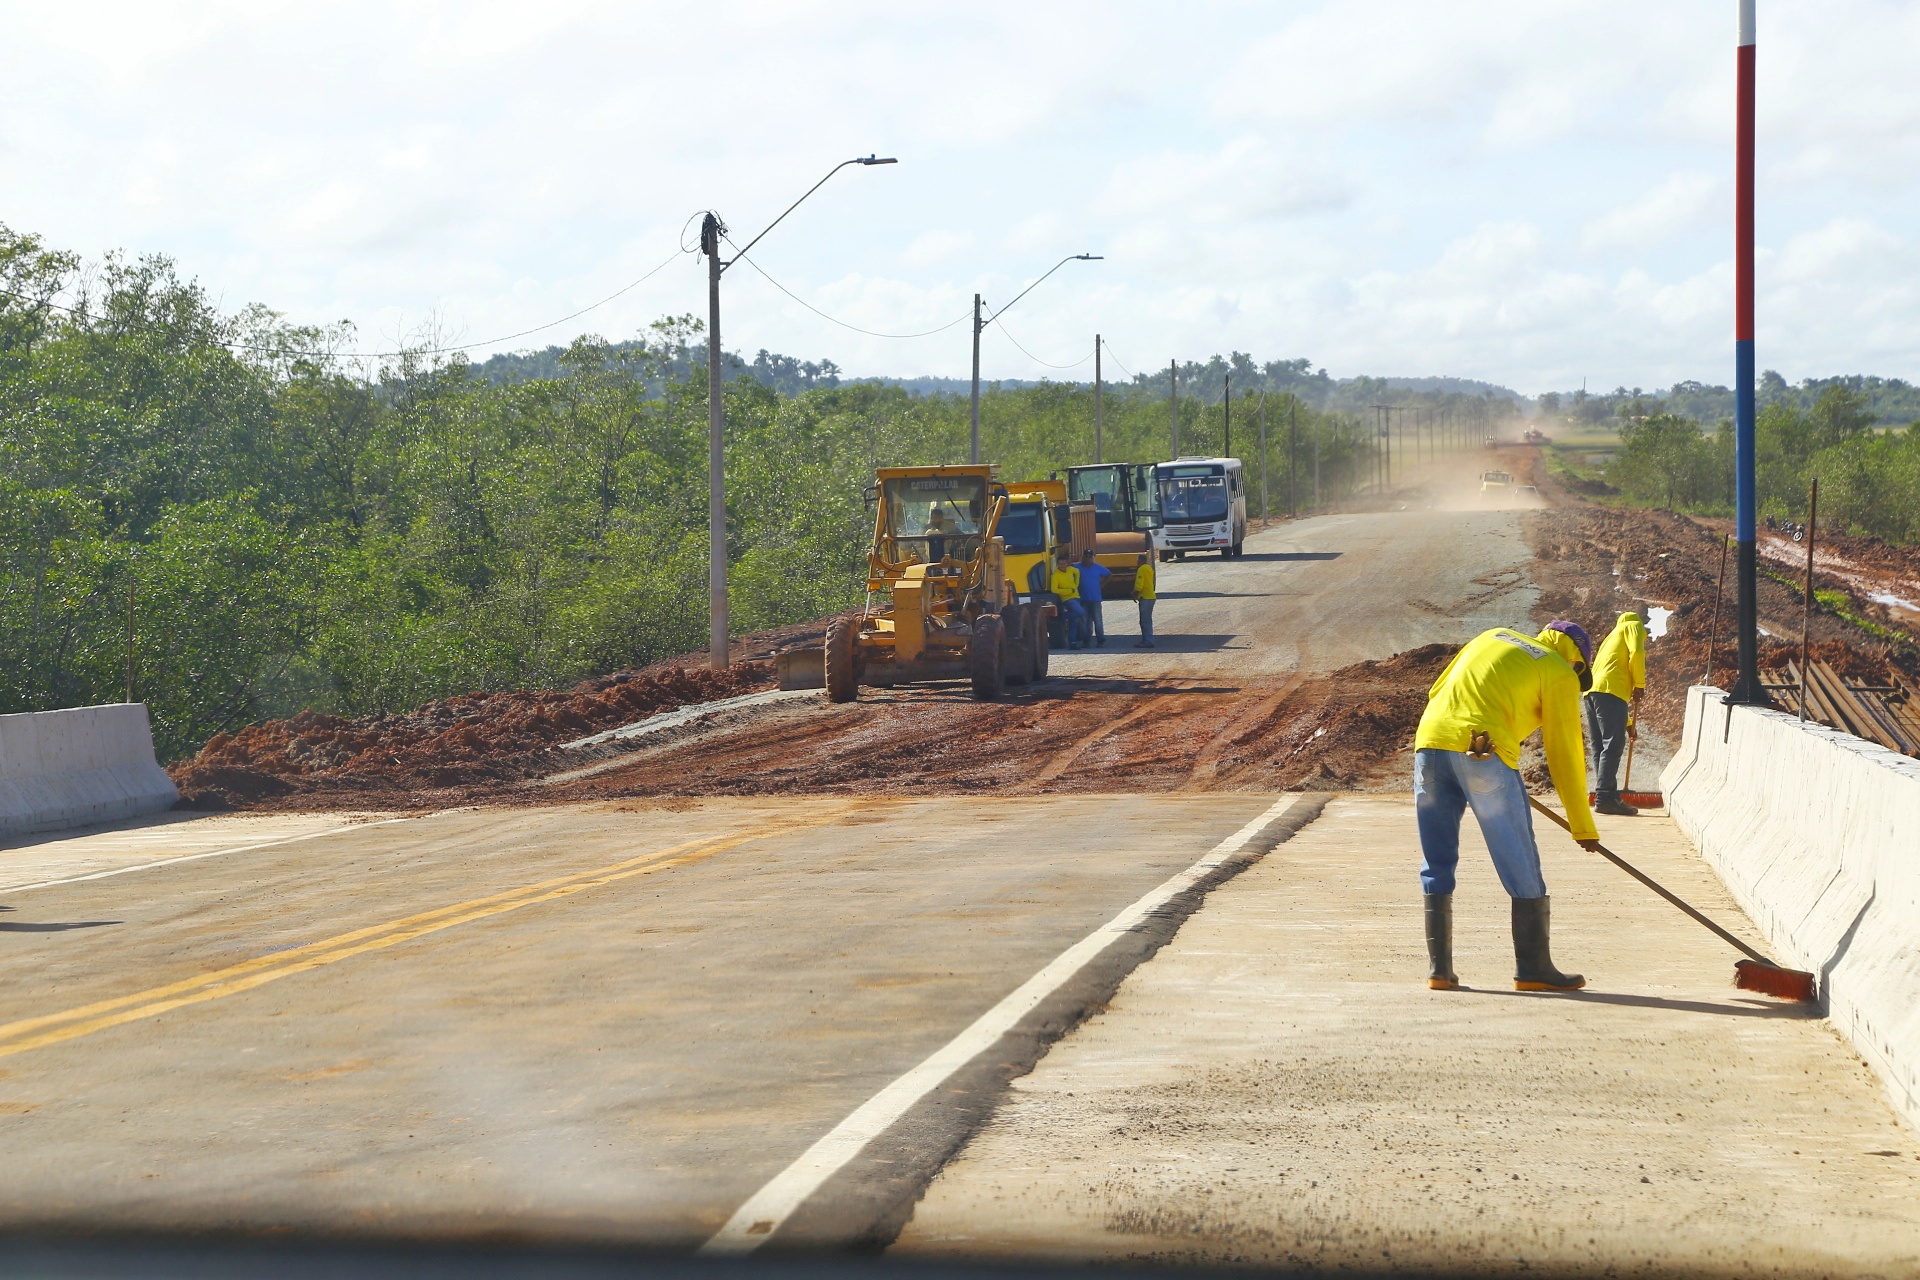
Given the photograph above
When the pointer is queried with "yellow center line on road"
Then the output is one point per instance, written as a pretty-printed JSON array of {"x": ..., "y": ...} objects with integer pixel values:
[{"x": 70, "y": 1024}]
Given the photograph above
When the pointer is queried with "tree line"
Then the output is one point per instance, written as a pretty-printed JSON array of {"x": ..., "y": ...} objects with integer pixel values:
[
  {"x": 1869, "y": 476},
  {"x": 224, "y": 512}
]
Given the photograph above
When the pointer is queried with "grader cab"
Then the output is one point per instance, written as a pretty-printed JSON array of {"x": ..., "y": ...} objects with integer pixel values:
[{"x": 939, "y": 603}]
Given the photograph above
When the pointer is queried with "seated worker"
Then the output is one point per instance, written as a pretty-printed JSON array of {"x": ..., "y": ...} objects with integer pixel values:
[
  {"x": 1066, "y": 585},
  {"x": 940, "y": 527},
  {"x": 1613, "y": 708},
  {"x": 1498, "y": 689}
]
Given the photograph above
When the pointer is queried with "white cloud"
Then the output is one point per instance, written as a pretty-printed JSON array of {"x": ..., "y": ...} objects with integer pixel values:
[
  {"x": 930, "y": 247},
  {"x": 1683, "y": 201},
  {"x": 1247, "y": 180},
  {"x": 1506, "y": 189}
]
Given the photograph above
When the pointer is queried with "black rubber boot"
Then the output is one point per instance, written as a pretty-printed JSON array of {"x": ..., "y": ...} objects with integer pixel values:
[
  {"x": 1532, "y": 958},
  {"x": 1440, "y": 975},
  {"x": 1615, "y": 808}
]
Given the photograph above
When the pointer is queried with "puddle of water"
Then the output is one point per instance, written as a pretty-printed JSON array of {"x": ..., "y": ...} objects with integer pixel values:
[{"x": 1893, "y": 601}]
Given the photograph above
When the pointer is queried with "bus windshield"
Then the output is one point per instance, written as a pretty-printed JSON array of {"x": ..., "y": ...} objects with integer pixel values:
[
  {"x": 1024, "y": 526},
  {"x": 1193, "y": 495}
]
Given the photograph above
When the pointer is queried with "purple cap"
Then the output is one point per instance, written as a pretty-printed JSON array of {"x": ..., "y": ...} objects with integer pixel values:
[{"x": 1577, "y": 633}]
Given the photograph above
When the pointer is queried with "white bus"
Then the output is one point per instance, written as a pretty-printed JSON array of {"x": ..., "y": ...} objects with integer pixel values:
[{"x": 1203, "y": 507}]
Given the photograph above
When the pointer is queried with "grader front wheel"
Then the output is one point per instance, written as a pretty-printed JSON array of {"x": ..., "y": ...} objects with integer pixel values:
[{"x": 843, "y": 681}]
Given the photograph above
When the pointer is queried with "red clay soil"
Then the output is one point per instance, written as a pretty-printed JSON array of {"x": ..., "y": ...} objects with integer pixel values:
[
  {"x": 479, "y": 740},
  {"x": 1592, "y": 561},
  {"x": 1350, "y": 730}
]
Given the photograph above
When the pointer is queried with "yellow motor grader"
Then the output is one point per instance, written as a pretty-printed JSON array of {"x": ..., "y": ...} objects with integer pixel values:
[{"x": 939, "y": 603}]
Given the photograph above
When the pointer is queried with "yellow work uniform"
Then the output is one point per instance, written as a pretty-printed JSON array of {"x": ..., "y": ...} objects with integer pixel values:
[
  {"x": 1620, "y": 664},
  {"x": 1143, "y": 582},
  {"x": 1066, "y": 583},
  {"x": 1510, "y": 684}
]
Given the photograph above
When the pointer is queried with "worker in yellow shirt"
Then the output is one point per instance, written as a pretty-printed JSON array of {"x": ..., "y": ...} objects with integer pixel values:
[
  {"x": 1144, "y": 593},
  {"x": 1613, "y": 708},
  {"x": 1066, "y": 585},
  {"x": 1498, "y": 689}
]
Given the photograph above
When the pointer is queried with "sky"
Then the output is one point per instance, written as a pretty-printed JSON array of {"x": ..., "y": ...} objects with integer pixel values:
[{"x": 1524, "y": 191}]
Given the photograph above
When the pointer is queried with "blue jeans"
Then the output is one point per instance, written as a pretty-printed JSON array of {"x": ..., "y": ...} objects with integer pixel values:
[
  {"x": 1146, "y": 620},
  {"x": 1444, "y": 784},
  {"x": 1076, "y": 622},
  {"x": 1606, "y": 739},
  {"x": 1097, "y": 624}
]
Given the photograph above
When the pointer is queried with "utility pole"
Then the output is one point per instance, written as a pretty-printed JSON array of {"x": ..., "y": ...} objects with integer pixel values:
[
  {"x": 711, "y": 229},
  {"x": 1293, "y": 452},
  {"x": 1096, "y": 398},
  {"x": 973, "y": 438},
  {"x": 1387, "y": 457},
  {"x": 1316, "y": 467},
  {"x": 1263, "y": 458},
  {"x": 1746, "y": 687},
  {"x": 130, "y": 638},
  {"x": 1226, "y": 401},
  {"x": 711, "y": 232},
  {"x": 1173, "y": 400}
]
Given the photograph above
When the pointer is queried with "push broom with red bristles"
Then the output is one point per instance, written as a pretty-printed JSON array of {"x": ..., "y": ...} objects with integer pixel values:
[
  {"x": 1755, "y": 973},
  {"x": 1628, "y": 796}
]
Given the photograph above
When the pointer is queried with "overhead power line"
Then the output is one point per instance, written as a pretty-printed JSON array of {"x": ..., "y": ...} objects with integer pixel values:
[
  {"x": 871, "y": 333},
  {"x": 1008, "y": 335}
]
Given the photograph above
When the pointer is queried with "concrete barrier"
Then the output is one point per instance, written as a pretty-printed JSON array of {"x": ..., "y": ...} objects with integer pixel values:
[
  {"x": 70, "y": 768},
  {"x": 1817, "y": 834}
]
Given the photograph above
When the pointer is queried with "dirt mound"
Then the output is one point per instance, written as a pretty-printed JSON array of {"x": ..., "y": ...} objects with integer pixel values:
[
  {"x": 1346, "y": 730},
  {"x": 430, "y": 755}
]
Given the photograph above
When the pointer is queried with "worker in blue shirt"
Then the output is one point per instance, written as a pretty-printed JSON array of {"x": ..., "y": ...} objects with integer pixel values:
[{"x": 1092, "y": 575}]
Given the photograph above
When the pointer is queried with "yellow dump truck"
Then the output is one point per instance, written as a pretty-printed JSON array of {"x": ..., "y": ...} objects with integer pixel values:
[
  {"x": 941, "y": 605},
  {"x": 1040, "y": 524}
]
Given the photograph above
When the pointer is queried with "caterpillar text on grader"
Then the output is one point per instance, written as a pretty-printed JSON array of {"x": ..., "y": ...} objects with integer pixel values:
[{"x": 939, "y": 604}]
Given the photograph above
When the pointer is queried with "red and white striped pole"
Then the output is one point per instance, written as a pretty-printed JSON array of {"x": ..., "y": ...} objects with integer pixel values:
[{"x": 1746, "y": 688}]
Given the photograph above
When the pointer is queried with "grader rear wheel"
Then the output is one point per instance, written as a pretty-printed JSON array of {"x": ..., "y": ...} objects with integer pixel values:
[
  {"x": 987, "y": 658},
  {"x": 843, "y": 680},
  {"x": 1017, "y": 640}
]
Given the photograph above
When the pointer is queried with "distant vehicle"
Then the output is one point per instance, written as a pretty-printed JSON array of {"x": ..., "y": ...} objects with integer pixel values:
[
  {"x": 1038, "y": 525},
  {"x": 1126, "y": 504},
  {"x": 1203, "y": 503},
  {"x": 1495, "y": 480},
  {"x": 1534, "y": 436}
]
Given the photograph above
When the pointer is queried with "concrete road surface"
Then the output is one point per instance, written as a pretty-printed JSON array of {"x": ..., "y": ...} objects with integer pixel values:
[
  {"x": 1278, "y": 1088},
  {"x": 598, "y": 1022}
]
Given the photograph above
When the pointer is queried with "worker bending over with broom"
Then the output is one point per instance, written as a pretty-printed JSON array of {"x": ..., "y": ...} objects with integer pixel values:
[
  {"x": 1613, "y": 708},
  {"x": 1497, "y": 690}
]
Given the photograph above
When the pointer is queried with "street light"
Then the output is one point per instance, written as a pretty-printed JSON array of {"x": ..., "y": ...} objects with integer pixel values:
[
  {"x": 973, "y": 447},
  {"x": 711, "y": 231}
]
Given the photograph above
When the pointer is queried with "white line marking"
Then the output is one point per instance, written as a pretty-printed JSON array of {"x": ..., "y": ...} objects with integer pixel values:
[
  {"x": 755, "y": 1222},
  {"x": 195, "y": 857}
]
